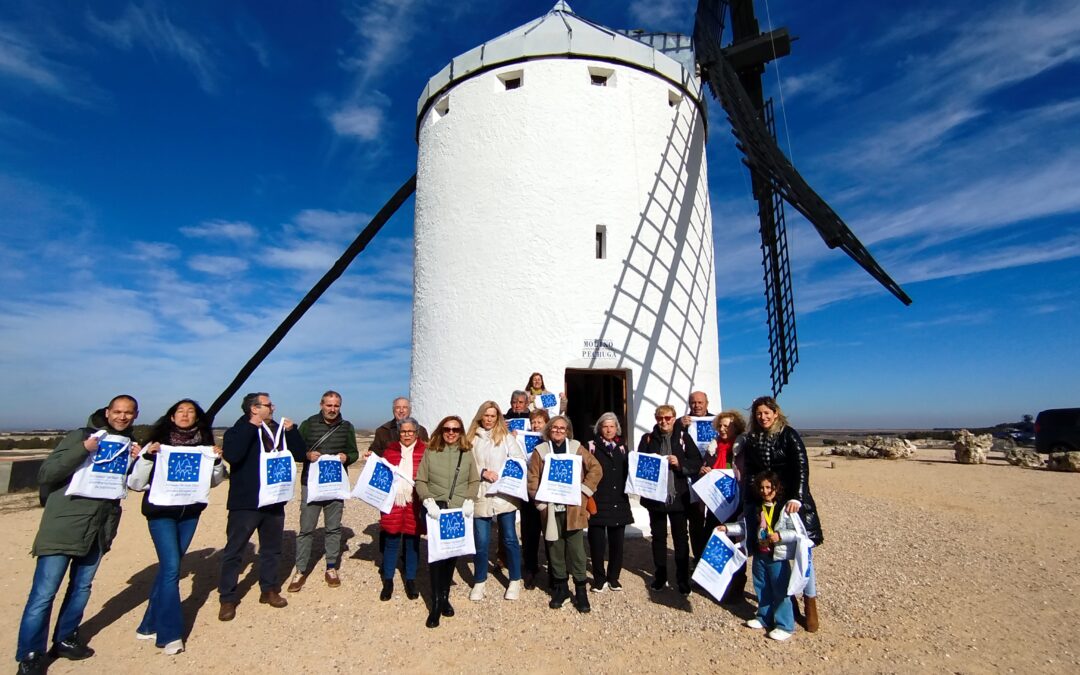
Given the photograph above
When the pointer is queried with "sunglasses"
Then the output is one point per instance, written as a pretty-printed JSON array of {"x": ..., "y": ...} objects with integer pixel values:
[
  {"x": 451, "y": 430},
  {"x": 664, "y": 418}
]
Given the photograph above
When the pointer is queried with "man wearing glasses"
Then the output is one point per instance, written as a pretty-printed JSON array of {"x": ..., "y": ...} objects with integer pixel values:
[
  {"x": 670, "y": 440},
  {"x": 388, "y": 432},
  {"x": 240, "y": 448}
]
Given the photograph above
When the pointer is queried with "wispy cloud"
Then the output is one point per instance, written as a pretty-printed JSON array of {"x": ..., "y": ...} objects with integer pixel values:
[
  {"x": 151, "y": 27},
  {"x": 663, "y": 15},
  {"x": 823, "y": 84},
  {"x": 218, "y": 265},
  {"x": 363, "y": 122},
  {"x": 221, "y": 229},
  {"x": 22, "y": 60}
]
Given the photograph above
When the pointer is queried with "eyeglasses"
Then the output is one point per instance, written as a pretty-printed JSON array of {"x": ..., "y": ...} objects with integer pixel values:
[
  {"x": 265, "y": 405},
  {"x": 452, "y": 430},
  {"x": 664, "y": 418},
  {"x": 407, "y": 431},
  {"x": 558, "y": 428}
]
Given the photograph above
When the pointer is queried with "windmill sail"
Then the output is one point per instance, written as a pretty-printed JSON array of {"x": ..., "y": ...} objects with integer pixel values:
[{"x": 773, "y": 176}]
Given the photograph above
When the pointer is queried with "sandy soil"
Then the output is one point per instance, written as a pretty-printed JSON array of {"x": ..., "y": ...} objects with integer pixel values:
[{"x": 928, "y": 566}]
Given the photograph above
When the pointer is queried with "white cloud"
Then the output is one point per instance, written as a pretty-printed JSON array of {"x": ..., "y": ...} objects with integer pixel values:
[
  {"x": 329, "y": 224},
  {"x": 825, "y": 83},
  {"x": 153, "y": 251},
  {"x": 663, "y": 15},
  {"x": 219, "y": 265},
  {"x": 221, "y": 229},
  {"x": 151, "y": 27},
  {"x": 363, "y": 122},
  {"x": 22, "y": 60}
]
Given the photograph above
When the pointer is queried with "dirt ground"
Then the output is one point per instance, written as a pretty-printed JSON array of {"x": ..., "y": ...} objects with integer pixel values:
[{"x": 928, "y": 566}]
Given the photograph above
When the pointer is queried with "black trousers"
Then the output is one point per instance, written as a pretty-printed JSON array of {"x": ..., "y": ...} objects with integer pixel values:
[
  {"x": 680, "y": 537},
  {"x": 610, "y": 538},
  {"x": 243, "y": 523},
  {"x": 442, "y": 575},
  {"x": 695, "y": 519},
  {"x": 530, "y": 538}
]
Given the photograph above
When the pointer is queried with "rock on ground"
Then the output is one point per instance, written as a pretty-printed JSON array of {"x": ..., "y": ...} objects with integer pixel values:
[{"x": 971, "y": 449}]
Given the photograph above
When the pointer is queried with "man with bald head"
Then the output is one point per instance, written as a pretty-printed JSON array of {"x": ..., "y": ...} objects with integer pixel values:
[{"x": 388, "y": 432}]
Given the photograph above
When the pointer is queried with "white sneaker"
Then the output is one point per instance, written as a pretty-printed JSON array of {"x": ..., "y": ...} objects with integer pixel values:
[
  {"x": 601, "y": 589},
  {"x": 779, "y": 634},
  {"x": 145, "y": 636},
  {"x": 477, "y": 593},
  {"x": 755, "y": 624},
  {"x": 174, "y": 647},
  {"x": 513, "y": 591}
]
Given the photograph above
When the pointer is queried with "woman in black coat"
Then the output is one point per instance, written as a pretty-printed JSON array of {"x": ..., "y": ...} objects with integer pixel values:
[
  {"x": 607, "y": 527},
  {"x": 772, "y": 445},
  {"x": 669, "y": 439}
]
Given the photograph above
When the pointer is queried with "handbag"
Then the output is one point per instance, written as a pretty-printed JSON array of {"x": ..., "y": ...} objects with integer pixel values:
[{"x": 590, "y": 505}]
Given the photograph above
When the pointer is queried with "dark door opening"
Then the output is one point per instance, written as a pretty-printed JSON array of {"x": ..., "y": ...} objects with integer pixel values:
[{"x": 591, "y": 393}]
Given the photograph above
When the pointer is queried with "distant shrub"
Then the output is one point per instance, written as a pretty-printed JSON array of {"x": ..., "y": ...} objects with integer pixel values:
[
  {"x": 830, "y": 441},
  {"x": 29, "y": 443}
]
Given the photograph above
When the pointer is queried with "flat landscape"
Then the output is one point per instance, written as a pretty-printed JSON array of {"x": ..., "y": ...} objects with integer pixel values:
[{"x": 928, "y": 566}]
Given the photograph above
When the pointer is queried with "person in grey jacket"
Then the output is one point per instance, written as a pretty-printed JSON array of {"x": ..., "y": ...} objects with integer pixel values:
[{"x": 75, "y": 532}]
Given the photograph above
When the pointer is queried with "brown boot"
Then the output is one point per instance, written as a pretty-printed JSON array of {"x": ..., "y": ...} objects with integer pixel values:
[
  {"x": 227, "y": 611},
  {"x": 297, "y": 582},
  {"x": 811, "y": 614},
  {"x": 272, "y": 598}
]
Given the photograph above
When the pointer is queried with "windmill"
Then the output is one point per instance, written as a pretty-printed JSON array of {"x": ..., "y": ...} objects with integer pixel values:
[{"x": 587, "y": 144}]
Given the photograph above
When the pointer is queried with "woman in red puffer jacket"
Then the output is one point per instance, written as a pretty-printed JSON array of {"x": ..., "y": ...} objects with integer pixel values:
[{"x": 405, "y": 522}]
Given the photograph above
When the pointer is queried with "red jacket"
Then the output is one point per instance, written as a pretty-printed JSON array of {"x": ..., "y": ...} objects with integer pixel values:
[{"x": 408, "y": 519}]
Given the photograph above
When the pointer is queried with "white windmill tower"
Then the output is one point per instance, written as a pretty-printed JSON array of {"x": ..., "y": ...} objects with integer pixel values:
[{"x": 563, "y": 226}]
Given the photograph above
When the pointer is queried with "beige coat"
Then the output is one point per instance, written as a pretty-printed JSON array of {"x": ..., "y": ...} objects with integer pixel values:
[
  {"x": 491, "y": 457},
  {"x": 577, "y": 518}
]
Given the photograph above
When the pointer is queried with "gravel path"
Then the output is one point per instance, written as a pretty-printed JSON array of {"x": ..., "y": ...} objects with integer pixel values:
[{"x": 928, "y": 566}]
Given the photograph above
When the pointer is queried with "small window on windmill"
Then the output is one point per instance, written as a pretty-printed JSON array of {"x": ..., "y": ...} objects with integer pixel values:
[
  {"x": 601, "y": 242},
  {"x": 601, "y": 77},
  {"x": 512, "y": 79},
  {"x": 674, "y": 99},
  {"x": 442, "y": 107}
]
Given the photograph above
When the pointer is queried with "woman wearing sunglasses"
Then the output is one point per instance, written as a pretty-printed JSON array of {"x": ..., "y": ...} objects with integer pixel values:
[
  {"x": 446, "y": 479},
  {"x": 670, "y": 440}
]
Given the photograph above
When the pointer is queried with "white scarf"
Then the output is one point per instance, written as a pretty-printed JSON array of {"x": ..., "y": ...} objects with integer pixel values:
[{"x": 405, "y": 468}]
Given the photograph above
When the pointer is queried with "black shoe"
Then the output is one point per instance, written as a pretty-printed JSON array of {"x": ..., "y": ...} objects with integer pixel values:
[
  {"x": 71, "y": 648},
  {"x": 529, "y": 580},
  {"x": 684, "y": 588},
  {"x": 410, "y": 590},
  {"x": 445, "y": 607},
  {"x": 433, "y": 615},
  {"x": 560, "y": 593},
  {"x": 33, "y": 664},
  {"x": 581, "y": 597},
  {"x": 659, "y": 581},
  {"x": 614, "y": 585},
  {"x": 387, "y": 590}
]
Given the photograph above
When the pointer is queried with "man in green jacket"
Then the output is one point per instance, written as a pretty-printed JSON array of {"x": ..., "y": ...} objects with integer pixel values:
[
  {"x": 74, "y": 533},
  {"x": 325, "y": 433}
]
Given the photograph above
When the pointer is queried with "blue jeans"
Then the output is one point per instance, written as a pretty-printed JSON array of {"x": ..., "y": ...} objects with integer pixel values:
[
  {"x": 770, "y": 583},
  {"x": 48, "y": 576},
  {"x": 482, "y": 534},
  {"x": 392, "y": 543},
  {"x": 163, "y": 614}
]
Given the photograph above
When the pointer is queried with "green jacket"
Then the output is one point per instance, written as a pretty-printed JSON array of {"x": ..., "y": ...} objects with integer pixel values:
[
  {"x": 342, "y": 441},
  {"x": 69, "y": 525},
  {"x": 436, "y": 473}
]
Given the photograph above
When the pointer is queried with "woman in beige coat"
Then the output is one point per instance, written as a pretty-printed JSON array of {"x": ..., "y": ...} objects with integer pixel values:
[{"x": 563, "y": 525}]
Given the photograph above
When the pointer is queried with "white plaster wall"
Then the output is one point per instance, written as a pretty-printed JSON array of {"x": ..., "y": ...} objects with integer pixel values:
[{"x": 511, "y": 186}]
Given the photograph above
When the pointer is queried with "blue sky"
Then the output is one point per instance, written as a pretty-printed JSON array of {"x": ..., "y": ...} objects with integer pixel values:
[{"x": 175, "y": 176}]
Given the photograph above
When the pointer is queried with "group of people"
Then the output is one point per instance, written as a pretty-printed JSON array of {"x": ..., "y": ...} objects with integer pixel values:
[{"x": 455, "y": 467}]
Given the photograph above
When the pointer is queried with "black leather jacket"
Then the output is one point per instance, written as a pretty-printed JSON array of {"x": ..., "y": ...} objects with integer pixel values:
[{"x": 785, "y": 454}]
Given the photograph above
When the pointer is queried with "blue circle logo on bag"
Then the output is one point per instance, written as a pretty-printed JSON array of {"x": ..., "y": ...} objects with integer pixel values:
[
  {"x": 278, "y": 470},
  {"x": 727, "y": 486},
  {"x": 562, "y": 471},
  {"x": 184, "y": 467},
  {"x": 716, "y": 554},
  {"x": 705, "y": 432},
  {"x": 451, "y": 525},
  {"x": 513, "y": 470},
  {"x": 548, "y": 400},
  {"x": 381, "y": 478},
  {"x": 648, "y": 468},
  {"x": 329, "y": 472},
  {"x": 109, "y": 458}
]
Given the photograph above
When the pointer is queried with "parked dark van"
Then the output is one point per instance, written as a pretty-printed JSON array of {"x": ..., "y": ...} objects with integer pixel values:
[{"x": 1058, "y": 430}]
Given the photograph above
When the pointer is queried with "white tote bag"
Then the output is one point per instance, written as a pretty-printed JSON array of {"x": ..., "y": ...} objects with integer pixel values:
[
  {"x": 720, "y": 560},
  {"x": 702, "y": 431},
  {"x": 647, "y": 476},
  {"x": 511, "y": 479},
  {"x": 452, "y": 536},
  {"x": 560, "y": 482},
  {"x": 719, "y": 490},
  {"x": 103, "y": 474},
  {"x": 377, "y": 483},
  {"x": 327, "y": 479},
  {"x": 800, "y": 566},
  {"x": 182, "y": 475},
  {"x": 277, "y": 475}
]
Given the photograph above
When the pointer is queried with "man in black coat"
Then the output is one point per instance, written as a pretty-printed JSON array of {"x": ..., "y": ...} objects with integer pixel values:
[{"x": 254, "y": 433}]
